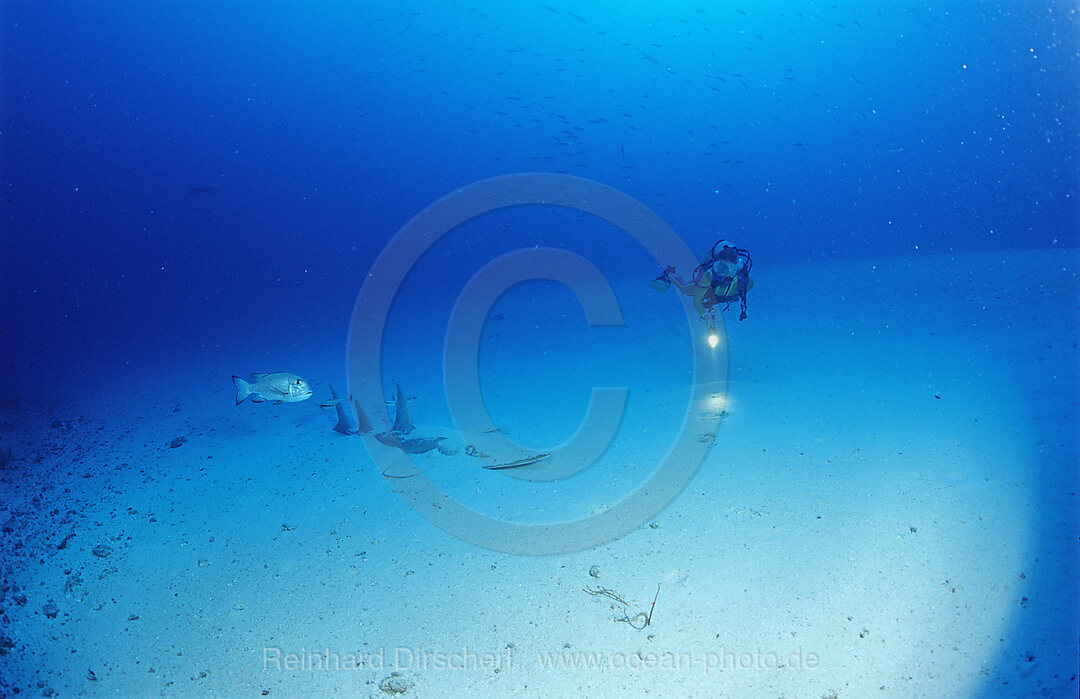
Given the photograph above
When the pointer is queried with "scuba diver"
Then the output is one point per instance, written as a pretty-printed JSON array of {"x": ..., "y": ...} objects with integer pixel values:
[{"x": 723, "y": 277}]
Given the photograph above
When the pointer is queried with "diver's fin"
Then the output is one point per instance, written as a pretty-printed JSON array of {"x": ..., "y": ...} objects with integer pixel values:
[
  {"x": 363, "y": 425},
  {"x": 403, "y": 420},
  {"x": 661, "y": 283}
]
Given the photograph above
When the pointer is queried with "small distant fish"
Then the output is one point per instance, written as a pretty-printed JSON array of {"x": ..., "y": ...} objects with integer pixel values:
[
  {"x": 202, "y": 189},
  {"x": 280, "y": 387}
]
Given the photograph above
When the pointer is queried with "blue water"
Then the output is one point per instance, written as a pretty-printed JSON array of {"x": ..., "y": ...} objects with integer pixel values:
[
  {"x": 804, "y": 133},
  {"x": 183, "y": 182}
]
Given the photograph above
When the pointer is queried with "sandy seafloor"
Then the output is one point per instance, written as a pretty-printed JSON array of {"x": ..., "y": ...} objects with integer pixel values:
[{"x": 892, "y": 492}]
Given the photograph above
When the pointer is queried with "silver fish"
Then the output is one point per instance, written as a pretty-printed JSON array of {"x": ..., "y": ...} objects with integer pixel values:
[{"x": 280, "y": 387}]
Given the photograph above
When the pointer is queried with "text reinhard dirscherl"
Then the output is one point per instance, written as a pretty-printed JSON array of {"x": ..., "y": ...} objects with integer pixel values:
[{"x": 397, "y": 659}]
